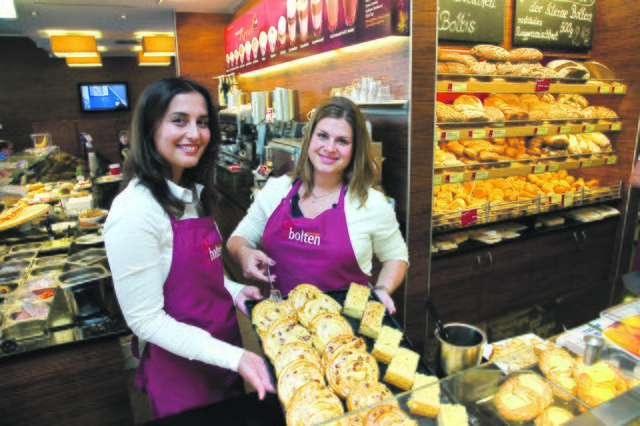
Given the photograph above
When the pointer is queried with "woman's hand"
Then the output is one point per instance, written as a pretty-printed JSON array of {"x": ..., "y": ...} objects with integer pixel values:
[
  {"x": 248, "y": 292},
  {"x": 253, "y": 264},
  {"x": 386, "y": 300},
  {"x": 253, "y": 369}
]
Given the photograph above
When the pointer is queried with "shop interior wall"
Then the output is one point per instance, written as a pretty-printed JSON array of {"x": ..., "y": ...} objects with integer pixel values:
[{"x": 40, "y": 95}]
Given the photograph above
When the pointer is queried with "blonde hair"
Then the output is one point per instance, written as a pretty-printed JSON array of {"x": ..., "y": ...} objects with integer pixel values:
[{"x": 362, "y": 171}]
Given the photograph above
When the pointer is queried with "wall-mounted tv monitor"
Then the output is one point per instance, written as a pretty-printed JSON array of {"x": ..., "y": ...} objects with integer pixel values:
[{"x": 103, "y": 96}]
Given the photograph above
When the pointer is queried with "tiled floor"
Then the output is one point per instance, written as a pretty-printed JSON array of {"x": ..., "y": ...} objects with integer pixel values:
[{"x": 139, "y": 401}]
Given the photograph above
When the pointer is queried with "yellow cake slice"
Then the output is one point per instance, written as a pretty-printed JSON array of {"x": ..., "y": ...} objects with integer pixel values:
[
  {"x": 372, "y": 319},
  {"x": 402, "y": 368},
  {"x": 452, "y": 415},
  {"x": 357, "y": 298},
  {"x": 387, "y": 344},
  {"x": 425, "y": 396}
]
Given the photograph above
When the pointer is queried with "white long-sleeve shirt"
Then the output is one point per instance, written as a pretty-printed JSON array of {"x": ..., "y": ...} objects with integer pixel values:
[
  {"x": 373, "y": 228},
  {"x": 139, "y": 243}
]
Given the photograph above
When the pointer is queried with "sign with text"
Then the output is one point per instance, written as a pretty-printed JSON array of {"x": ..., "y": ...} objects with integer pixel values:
[
  {"x": 471, "y": 20},
  {"x": 278, "y": 31},
  {"x": 554, "y": 23}
]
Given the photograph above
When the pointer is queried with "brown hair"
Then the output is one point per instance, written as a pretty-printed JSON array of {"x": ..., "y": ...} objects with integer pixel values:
[{"x": 362, "y": 170}]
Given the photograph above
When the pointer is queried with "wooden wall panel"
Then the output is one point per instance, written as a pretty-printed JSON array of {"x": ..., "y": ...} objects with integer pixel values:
[
  {"x": 40, "y": 93},
  {"x": 421, "y": 143},
  {"x": 200, "y": 39}
]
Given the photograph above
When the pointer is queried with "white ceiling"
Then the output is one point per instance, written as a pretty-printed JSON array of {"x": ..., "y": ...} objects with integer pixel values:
[{"x": 116, "y": 20}]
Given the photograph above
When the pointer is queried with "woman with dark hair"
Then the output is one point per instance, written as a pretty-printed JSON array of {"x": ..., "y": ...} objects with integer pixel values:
[
  {"x": 323, "y": 224},
  {"x": 164, "y": 251}
]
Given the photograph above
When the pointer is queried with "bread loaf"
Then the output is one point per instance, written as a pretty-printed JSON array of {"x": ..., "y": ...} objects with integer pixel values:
[
  {"x": 446, "y": 114},
  {"x": 525, "y": 54},
  {"x": 490, "y": 52},
  {"x": 451, "y": 56}
]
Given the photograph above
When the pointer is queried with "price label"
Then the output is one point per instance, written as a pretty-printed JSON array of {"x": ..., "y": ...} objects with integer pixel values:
[
  {"x": 543, "y": 84},
  {"x": 457, "y": 87},
  {"x": 269, "y": 115},
  {"x": 480, "y": 175},
  {"x": 615, "y": 126},
  {"x": 568, "y": 199},
  {"x": 617, "y": 89},
  {"x": 611, "y": 160},
  {"x": 539, "y": 168},
  {"x": 469, "y": 217},
  {"x": 497, "y": 133},
  {"x": 541, "y": 131},
  {"x": 552, "y": 168},
  {"x": 454, "y": 178},
  {"x": 437, "y": 179},
  {"x": 477, "y": 134},
  {"x": 452, "y": 135},
  {"x": 585, "y": 163},
  {"x": 556, "y": 199},
  {"x": 588, "y": 128},
  {"x": 563, "y": 130}
]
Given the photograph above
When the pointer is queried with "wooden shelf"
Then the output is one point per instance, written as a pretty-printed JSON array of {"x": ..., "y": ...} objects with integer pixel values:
[
  {"x": 501, "y": 86},
  {"x": 449, "y": 132},
  {"x": 459, "y": 175}
]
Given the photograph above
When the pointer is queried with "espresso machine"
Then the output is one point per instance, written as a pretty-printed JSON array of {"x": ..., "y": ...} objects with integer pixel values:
[{"x": 237, "y": 156}]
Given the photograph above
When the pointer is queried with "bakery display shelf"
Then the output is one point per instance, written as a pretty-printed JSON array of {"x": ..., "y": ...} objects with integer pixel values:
[
  {"x": 502, "y": 169},
  {"x": 495, "y": 212},
  {"x": 507, "y": 129},
  {"x": 388, "y": 320},
  {"x": 500, "y": 86}
]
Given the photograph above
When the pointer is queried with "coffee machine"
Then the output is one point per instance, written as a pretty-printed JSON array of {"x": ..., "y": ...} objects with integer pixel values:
[{"x": 237, "y": 156}]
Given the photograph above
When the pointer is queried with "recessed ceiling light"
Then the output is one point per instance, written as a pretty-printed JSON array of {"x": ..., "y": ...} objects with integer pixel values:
[
  {"x": 34, "y": 13},
  {"x": 123, "y": 16}
]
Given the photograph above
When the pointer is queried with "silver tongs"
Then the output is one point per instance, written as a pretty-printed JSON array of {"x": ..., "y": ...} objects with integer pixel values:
[{"x": 275, "y": 293}]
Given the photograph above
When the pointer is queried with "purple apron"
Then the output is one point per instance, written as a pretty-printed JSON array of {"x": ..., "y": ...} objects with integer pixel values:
[
  {"x": 194, "y": 294},
  {"x": 311, "y": 251}
]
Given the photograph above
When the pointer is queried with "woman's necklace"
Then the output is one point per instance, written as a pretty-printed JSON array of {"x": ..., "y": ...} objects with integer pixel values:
[{"x": 315, "y": 197}]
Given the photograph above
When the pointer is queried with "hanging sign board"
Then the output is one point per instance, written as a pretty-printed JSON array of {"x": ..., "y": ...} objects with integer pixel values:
[
  {"x": 278, "y": 31},
  {"x": 564, "y": 24},
  {"x": 471, "y": 20}
]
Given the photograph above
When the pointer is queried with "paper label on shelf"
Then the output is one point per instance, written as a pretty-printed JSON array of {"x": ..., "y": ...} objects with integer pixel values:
[
  {"x": 585, "y": 164},
  {"x": 497, "y": 133},
  {"x": 480, "y": 175},
  {"x": 437, "y": 179},
  {"x": 469, "y": 217},
  {"x": 541, "y": 131},
  {"x": 615, "y": 126},
  {"x": 617, "y": 89},
  {"x": 563, "y": 130},
  {"x": 454, "y": 178},
  {"x": 568, "y": 199},
  {"x": 543, "y": 84},
  {"x": 539, "y": 168},
  {"x": 588, "y": 128},
  {"x": 268, "y": 118},
  {"x": 451, "y": 135},
  {"x": 553, "y": 168},
  {"x": 611, "y": 160},
  {"x": 556, "y": 199},
  {"x": 457, "y": 87},
  {"x": 477, "y": 134}
]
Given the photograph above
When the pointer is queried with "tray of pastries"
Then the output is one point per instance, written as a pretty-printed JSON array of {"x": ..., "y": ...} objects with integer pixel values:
[{"x": 340, "y": 353}]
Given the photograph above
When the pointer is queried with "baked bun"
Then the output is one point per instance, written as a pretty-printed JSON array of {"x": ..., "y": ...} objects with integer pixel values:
[
  {"x": 281, "y": 332},
  {"x": 295, "y": 351},
  {"x": 350, "y": 367},
  {"x": 387, "y": 414},
  {"x": 598, "y": 383},
  {"x": 294, "y": 375},
  {"x": 553, "y": 416},
  {"x": 366, "y": 394},
  {"x": 557, "y": 365},
  {"x": 523, "y": 397},
  {"x": 313, "y": 403},
  {"x": 312, "y": 308},
  {"x": 340, "y": 343},
  {"x": 301, "y": 294},
  {"x": 267, "y": 311},
  {"x": 326, "y": 326}
]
